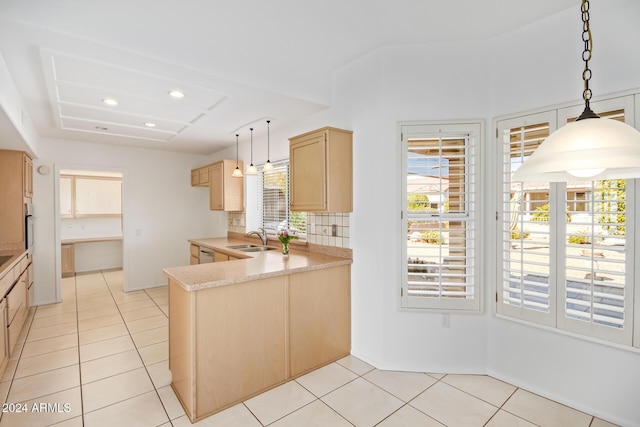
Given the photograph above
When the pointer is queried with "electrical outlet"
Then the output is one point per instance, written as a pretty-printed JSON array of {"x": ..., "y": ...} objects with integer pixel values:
[
  {"x": 446, "y": 320},
  {"x": 334, "y": 230}
]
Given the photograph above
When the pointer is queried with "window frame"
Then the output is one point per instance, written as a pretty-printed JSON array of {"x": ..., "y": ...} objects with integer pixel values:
[
  {"x": 474, "y": 132},
  {"x": 629, "y": 335},
  {"x": 259, "y": 217},
  {"x": 74, "y": 179}
]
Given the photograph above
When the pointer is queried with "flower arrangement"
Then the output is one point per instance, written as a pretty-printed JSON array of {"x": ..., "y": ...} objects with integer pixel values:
[{"x": 285, "y": 236}]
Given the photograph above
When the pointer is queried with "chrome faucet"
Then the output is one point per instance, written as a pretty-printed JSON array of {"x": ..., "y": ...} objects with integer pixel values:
[{"x": 262, "y": 234}]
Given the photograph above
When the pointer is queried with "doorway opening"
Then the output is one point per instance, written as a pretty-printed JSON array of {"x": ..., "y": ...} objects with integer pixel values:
[{"x": 89, "y": 218}]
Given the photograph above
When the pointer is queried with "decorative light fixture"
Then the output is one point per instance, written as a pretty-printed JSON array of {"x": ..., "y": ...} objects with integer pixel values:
[
  {"x": 237, "y": 173},
  {"x": 591, "y": 147},
  {"x": 267, "y": 166},
  {"x": 251, "y": 170}
]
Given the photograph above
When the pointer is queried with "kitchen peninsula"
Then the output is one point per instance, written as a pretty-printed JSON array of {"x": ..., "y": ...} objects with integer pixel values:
[{"x": 240, "y": 327}]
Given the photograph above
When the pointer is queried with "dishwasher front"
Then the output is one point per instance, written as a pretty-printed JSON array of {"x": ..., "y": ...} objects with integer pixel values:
[{"x": 207, "y": 255}]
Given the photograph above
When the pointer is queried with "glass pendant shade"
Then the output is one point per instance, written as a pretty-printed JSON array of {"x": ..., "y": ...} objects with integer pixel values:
[
  {"x": 237, "y": 173},
  {"x": 594, "y": 148},
  {"x": 268, "y": 166},
  {"x": 590, "y": 148}
]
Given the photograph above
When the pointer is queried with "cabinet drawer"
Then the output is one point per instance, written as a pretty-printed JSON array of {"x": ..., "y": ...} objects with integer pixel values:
[
  {"x": 14, "y": 329},
  {"x": 6, "y": 282},
  {"x": 24, "y": 263},
  {"x": 194, "y": 250},
  {"x": 16, "y": 300}
]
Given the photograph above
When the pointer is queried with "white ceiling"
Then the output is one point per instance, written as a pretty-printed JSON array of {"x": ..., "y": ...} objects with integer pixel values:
[{"x": 239, "y": 62}]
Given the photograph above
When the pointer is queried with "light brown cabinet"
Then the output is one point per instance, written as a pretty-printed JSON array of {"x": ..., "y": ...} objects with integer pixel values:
[
  {"x": 226, "y": 193},
  {"x": 200, "y": 177},
  {"x": 15, "y": 284},
  {"x": 16, "y": 172},
  {"x": 4, "y": 346},
  {"x": 194, "y": 254},
  {"x": 319, "y": 318},
  {"x": 68, "y": 267},
  {"x": 27, "y": 176},
  {"x": 220, "y": 257},
  {"x": 228, "y": 343},
  {"x": 321, "y": 171},
  {"x": 16, "y": 310}
]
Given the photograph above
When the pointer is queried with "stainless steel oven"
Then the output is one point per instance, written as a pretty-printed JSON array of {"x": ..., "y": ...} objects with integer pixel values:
[{"x": 29, "y": 220}]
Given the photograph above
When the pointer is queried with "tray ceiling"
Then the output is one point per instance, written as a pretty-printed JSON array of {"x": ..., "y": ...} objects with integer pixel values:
[{"x": 238, "y": 62}]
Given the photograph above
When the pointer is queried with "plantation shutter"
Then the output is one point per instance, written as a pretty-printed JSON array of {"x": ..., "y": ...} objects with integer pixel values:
[
  {"x": 439, "y": 217},
  {"x": 527, "y": 285},
  {"x": 567, "y": 254},
  {"x": 596, "y": 292}
]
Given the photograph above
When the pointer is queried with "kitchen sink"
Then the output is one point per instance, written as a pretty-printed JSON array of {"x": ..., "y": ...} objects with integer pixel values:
[
  {"x": 257, "y": 249},
  {"x": 251, "y": 248}
]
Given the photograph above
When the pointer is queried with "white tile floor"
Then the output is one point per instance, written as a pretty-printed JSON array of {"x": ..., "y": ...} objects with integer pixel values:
[{"x": 99, "y": 358}]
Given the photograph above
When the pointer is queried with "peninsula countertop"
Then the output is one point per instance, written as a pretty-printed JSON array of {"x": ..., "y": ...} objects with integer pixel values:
[{"x": 251, "y": 266}]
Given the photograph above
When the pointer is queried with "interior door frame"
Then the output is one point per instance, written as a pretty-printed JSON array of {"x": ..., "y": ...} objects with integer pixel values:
[{"x": 57, "y": 220}]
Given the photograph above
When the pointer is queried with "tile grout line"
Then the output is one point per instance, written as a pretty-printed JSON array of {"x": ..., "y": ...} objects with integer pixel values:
[
  {"x": 75, "y": 291},
  {"x": 137, "y": 351},
  {"x": 404, "y": 404},
  {"x": 81, "y": 385}
]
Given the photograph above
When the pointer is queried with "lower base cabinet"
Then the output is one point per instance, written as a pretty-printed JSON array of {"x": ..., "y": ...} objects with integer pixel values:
[
  {"x": 4, "y": 347},
  {"x": 68, "y": 267},
  {"x": 229, "y": 343},
  {"x": 319, "y": 318},
  {"x": 15, "y": 287}
]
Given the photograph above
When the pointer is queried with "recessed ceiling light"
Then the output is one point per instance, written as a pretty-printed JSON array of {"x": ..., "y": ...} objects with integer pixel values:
[
  {"x": 176, "y": 93},
  {"x": 110, "y": 101},
  {"x": 149, "y": 124}
]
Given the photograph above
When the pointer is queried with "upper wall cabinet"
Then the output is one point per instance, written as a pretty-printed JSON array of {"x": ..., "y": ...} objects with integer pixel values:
[
  {"x": 321, "y": 171},
  {"x": 16, "y": 189},
  {"x": 27, "y": 176},
  {"x": 200, "y": 177},
  {"x": 226, "y": 193}
]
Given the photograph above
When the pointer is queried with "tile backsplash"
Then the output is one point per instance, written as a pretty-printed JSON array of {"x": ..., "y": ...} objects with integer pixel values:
[{"x": 320, "y": 228}]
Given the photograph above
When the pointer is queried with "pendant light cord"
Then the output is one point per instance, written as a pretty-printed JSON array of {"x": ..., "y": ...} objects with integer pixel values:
[
  {"x": 586, "y": 57},
  {"x": 251, "y": 129}
]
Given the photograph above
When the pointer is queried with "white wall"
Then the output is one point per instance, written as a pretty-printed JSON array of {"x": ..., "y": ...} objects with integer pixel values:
[
  {"x": 533, "y": 67},
  {"x": 161, "y": 209},
  {"x": 545, "y": 68}
]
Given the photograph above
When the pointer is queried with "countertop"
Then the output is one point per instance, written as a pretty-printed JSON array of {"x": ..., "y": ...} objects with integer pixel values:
[
  {"x": 89, "y": 240},
  {"x": 11, "y": 262},
  {"x": 253, "y": 266}
]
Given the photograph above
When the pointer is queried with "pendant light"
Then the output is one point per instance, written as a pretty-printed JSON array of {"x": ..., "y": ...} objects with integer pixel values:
[
  {"x": 267, "y": 166},
  {"x": 251, "y": 170},
  {"x": 237, "y": 173},
  {"x": 591, "y": 147}
]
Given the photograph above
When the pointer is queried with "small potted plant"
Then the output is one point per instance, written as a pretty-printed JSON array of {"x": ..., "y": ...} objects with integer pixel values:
[{"x": 285, "y": 236}]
